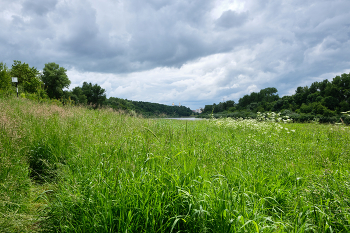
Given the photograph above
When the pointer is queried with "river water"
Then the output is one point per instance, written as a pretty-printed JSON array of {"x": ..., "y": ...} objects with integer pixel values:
[{"x": 185, "y": 119}]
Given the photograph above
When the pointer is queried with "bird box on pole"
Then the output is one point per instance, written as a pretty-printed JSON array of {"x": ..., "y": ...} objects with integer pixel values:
[{"x": 15, "y": 80}]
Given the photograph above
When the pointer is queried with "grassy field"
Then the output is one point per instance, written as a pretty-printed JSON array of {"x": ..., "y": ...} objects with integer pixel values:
[{"x": 69, "y": 169}]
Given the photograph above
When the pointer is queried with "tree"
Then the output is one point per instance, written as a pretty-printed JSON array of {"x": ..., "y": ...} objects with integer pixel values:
[
  {"x": 229, "y": 104},
  {"x": 330, "y": 102},
  {"x": 300, "y": 95},
  {"x": 94, "y": 93},
  {"x": 55, "y": 80},
  {"x": 342, "y": 84},
  {"x": 5, "y": 77},
  {"x": 27, "y": 77},
  {"x": 322, "y": 86},
  {"x": 78, "y": 95},
  {"x": 244, "y": 101},
  {"x": 268, "y": 94}
]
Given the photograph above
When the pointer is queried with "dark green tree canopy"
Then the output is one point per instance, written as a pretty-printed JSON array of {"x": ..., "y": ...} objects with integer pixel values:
[
  {"x": 147, "y": 108},
  {"x": 94, "y": 93},
  {"x": 79, "y": 96},
  {"x": 222, "y": 106},
  {"x": 265, "y": 95},
  {"x": 55, "y": 80}
]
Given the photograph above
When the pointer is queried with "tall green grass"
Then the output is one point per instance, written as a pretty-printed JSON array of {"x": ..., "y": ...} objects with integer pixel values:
[{"x": 67, "y": 169}]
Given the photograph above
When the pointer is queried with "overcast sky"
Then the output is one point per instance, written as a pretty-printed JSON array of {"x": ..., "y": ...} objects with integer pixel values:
[{"x": 193, "y": 52}]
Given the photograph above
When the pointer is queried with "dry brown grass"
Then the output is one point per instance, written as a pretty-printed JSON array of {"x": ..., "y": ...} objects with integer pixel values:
[
  {"x": 8, "y": 126},
  {"x": 46, "y": 110}
]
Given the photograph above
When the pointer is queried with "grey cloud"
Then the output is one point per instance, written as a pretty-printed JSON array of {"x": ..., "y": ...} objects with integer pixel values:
[
  {"x": 79, "y": 34},
  {"x": 230, "y": 19},
  {"x": 39, "y": 7},
  {"x": 171, "y": 35},
  {"x": 17, "y": 22},
  {"x": 159, "y": 34}
]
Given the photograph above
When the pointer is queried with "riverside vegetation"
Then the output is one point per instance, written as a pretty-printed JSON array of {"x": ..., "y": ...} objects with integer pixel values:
[
  {"x": 322, "y": 100},
  {"x": 71, "y": 169}
]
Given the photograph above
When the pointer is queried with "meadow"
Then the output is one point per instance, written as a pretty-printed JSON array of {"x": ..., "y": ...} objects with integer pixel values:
[{"x": 71, "y": 169}]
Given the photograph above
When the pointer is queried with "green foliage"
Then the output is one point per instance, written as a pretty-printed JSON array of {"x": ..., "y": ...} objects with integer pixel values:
[
  {"x": 27, "y": 77},
  {"x": 208, "y": 109},
  {"x": 231, "y": 109},
  {"x": 344, "y": 105},
  {"x": 148, "y": 109},
  {"x": 326, "y": 99},
  {"x": 55, "y": 80},
  {"x": 333, "y": 96},
  {"x": 5, "y": 77},
  {"x": 78, "y": 96},
  {"x": 95, "y": 94},
  {"x": 265, "y": 95},
  {"x": 221, "y": 107},
  {"x": 316, "y": 108},
  {"x": 345, "y": 117}
]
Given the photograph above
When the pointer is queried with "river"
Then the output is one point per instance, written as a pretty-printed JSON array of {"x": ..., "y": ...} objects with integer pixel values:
[{"x": 185, "y": 119}]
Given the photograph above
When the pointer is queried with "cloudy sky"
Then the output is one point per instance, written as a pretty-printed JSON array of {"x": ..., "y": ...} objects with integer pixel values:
[{"x": 195, "y": 52}]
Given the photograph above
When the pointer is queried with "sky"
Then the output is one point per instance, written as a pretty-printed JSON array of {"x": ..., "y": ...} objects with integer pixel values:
[{"x": 193, "y": 52}]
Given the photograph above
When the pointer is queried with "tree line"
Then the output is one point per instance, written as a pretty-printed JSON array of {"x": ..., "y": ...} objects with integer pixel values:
[
  {"x": 252, "y": 102},
  {"x": 149, "y": 109},
  {"x": 53, "y": 83},
  {"x": 325, "y": 99}
]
